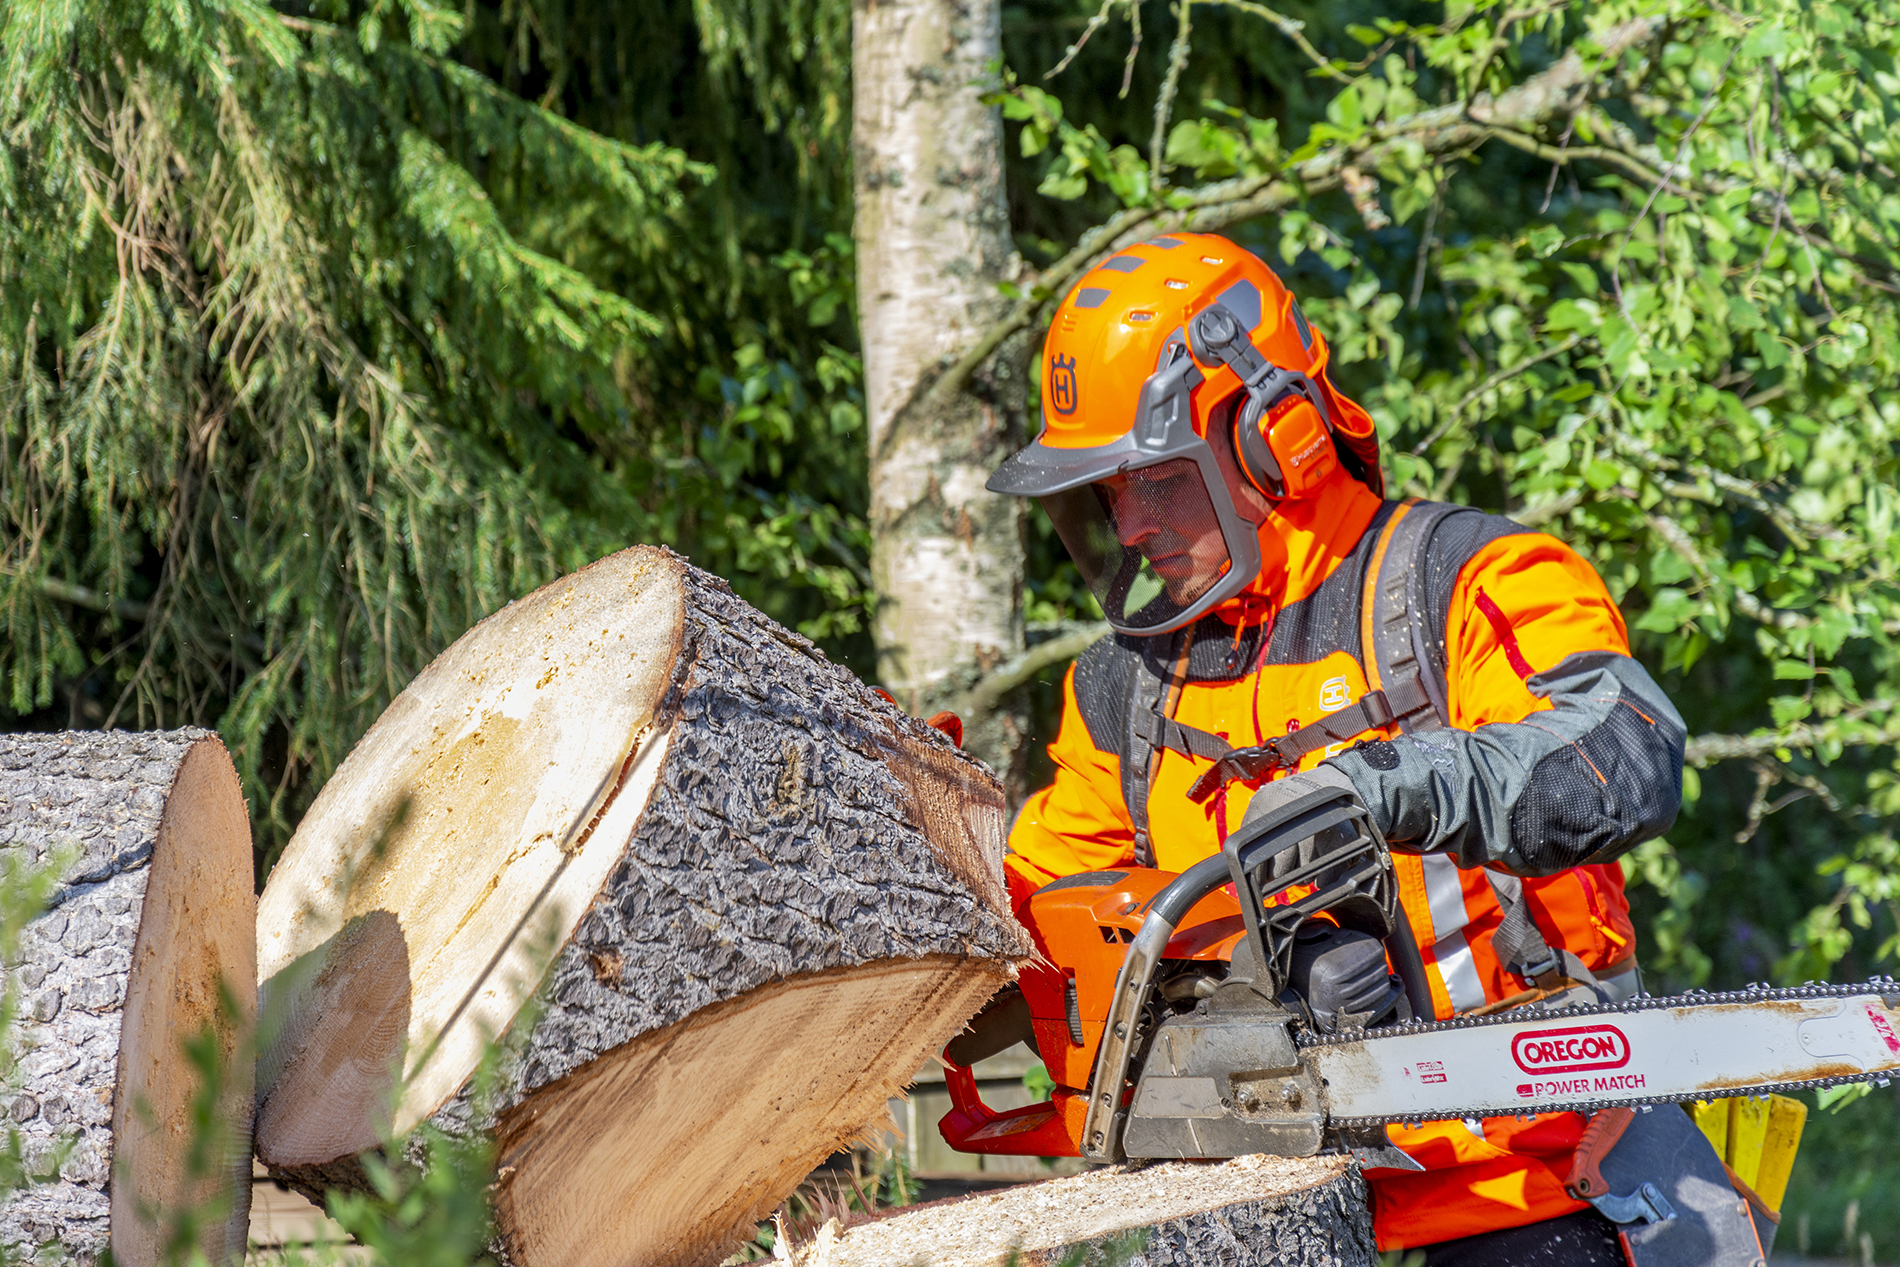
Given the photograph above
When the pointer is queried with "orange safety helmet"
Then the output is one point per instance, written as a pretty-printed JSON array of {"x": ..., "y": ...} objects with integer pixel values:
[{"x": 1142, "y": 359}]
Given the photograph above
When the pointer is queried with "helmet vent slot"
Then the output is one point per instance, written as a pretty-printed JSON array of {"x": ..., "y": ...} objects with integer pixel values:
[
  {"x": 1139, "y": 317},
  {"x": 1175, "y": 283}
]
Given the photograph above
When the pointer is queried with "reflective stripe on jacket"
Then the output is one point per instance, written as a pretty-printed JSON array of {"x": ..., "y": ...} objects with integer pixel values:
[{"x": 1562, "y": 754}]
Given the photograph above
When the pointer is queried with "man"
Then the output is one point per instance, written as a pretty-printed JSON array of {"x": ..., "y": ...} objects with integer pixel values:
[{"x": 1281, "y": 625}]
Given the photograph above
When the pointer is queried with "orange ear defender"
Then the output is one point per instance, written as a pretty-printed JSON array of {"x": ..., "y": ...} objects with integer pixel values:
[{"x": 1283, "y": 429}]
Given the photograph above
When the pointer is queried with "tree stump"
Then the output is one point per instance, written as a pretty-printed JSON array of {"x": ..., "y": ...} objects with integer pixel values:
[
  {"x": 740, "y": 896},
  {"x": 152, "y": 916},
  {"x": 1249, "y": 1212}
]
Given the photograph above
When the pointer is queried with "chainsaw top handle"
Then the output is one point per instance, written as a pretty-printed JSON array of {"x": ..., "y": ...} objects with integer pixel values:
[{"x": 1318, "y": 852}]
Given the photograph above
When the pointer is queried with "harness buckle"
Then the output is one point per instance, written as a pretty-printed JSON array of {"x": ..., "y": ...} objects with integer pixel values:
[
  {"x": 1244, "y": 763},
  {"x": 1534, "y": 973},
  {"x": 1378, "y": 709}
]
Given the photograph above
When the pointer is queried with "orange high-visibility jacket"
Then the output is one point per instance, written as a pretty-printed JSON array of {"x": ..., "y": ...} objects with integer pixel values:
[{"x": 1561, "y": 755}]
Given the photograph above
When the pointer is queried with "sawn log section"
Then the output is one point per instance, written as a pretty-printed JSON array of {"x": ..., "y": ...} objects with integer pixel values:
[
  {"x": 747, "y": 898},
  {"x": 147, "y": 934},
  {"x": 1249, "y": 1212}
]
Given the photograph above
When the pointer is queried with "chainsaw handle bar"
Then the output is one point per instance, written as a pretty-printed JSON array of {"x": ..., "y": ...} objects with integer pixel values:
[
  {"x": 1245, "y": 859},
  {"x": 1102, "y": 1128}
]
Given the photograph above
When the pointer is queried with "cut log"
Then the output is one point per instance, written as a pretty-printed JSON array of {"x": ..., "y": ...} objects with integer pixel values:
[
  {"x": 747, "y": 895},
  {"x": 1249, "y": 1212},
  {"x": 152, "y": 918}
]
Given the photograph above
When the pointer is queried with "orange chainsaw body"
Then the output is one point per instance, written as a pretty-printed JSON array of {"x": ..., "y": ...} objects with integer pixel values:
[{"x": 1082, "y": 926}]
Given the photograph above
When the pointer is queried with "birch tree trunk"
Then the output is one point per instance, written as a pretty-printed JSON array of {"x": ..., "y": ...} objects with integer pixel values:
[{"x": 932, "y": 230}]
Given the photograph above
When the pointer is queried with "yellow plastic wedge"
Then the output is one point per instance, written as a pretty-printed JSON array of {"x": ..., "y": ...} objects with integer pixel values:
[
  {"x": 1786, "y": 1117},
  {"x": 1711, "y": 1117},
  {"x": 1747, "y": 1133}
]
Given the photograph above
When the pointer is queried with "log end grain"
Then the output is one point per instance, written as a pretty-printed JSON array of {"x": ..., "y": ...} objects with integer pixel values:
[
  {"x": 674, "y": 1146},
  {"x": 785, "y": 895},
  {"x": 451, "y": 854}
]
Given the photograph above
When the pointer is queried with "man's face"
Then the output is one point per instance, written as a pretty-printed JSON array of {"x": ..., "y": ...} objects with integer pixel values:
[{"x": 1164, "y": 512}]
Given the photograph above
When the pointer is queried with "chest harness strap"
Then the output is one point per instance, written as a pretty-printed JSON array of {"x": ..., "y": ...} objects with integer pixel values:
[{"x": 1404, "y": 696}]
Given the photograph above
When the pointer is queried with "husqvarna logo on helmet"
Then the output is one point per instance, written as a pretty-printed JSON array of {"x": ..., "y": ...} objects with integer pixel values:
[
  {"x": 1062, "y": 384},
  {"x": 1334, "y": 694}
]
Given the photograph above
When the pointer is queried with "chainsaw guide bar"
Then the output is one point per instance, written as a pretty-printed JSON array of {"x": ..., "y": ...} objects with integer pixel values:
[{"x": 1639, "y": 1052}]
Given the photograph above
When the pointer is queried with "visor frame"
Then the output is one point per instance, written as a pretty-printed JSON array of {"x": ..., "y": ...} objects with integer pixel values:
[{"x": 1163, "y": 432}]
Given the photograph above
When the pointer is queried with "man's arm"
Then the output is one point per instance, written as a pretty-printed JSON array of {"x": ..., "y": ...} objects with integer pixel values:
[
  {"x": 1078, "y": 822},
  {"x": 1564, "y": 751}
]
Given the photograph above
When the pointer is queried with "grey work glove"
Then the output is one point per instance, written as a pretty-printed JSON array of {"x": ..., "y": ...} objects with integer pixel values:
[{"x": 1281, "y": 792}]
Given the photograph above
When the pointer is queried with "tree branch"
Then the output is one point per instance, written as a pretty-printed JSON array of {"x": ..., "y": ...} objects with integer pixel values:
[
  {"x": 1440, "y": 130},
  {"x": 1556, "y": 508},
  {"x": 1502, "y": 376},
  {"x": 1705, "y": 750},
  {"x": 1095, "y": 23},
  {"x": 1164, "y": 102},
  {"x": 1294, "y": 30},
  {"x": 992, "y": 686},
  {"x": 91, "y": 599}
]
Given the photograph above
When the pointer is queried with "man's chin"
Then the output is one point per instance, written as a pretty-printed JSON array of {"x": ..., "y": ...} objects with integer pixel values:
[{"x": 1184, "y": 585}]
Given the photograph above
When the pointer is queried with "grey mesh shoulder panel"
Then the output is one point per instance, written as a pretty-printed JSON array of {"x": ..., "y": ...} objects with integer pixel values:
[
  {"x": 1103, "y": 676},
  {"x": 1456, "y": 542}
]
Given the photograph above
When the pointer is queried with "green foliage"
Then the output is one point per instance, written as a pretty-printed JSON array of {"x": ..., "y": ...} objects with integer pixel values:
[
  {"x": 1844, "y": 1178},
  {"x": 318, "y": 344},
  {"x": 24, "y": 887},
  {"x": 432, "y": 1214},
  {"x": 1113, "y": 1251},
  {"x": 1660, "y": 324}
]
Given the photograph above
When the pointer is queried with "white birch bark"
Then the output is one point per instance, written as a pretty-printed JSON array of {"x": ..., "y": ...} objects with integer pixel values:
[{"x": 933, "y": 243}]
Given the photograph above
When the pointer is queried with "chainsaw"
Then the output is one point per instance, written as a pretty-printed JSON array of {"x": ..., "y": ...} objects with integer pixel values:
[{"x": 1166, "y": 1015}]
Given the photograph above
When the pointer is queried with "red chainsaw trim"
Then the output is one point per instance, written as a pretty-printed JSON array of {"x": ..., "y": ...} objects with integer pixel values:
[
  {"x": 1087, "y": 929},
  {"x": 950, "y": 724}
]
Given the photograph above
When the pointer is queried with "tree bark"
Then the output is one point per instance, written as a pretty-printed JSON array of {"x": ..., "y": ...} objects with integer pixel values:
[
  {"x": 932, "y": 229},
  {"x": 1249, "y": 1212},
  {"x": 152, "y": 919},
  {"x": 747, "y": 895}
]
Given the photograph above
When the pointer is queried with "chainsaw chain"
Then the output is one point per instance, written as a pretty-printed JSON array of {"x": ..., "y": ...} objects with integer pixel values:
[{"x": 1884, "y": 986}]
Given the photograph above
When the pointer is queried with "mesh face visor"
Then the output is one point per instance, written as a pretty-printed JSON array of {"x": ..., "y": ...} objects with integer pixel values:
[
  {"x": 1149, "y": 542},
  {"x": 1148, "y": 519}
]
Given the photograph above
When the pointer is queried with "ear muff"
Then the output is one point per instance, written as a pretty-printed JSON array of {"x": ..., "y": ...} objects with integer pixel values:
[
  {"x": 1285, "y": 448},
  {"x": 1283, "y": 431}
]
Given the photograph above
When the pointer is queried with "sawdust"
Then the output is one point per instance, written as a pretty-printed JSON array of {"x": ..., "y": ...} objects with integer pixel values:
[{"x": 982, "y": 1231}]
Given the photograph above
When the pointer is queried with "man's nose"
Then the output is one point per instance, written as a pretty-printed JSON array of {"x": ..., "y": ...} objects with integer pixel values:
[{"x": 1134, "y": 521}]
